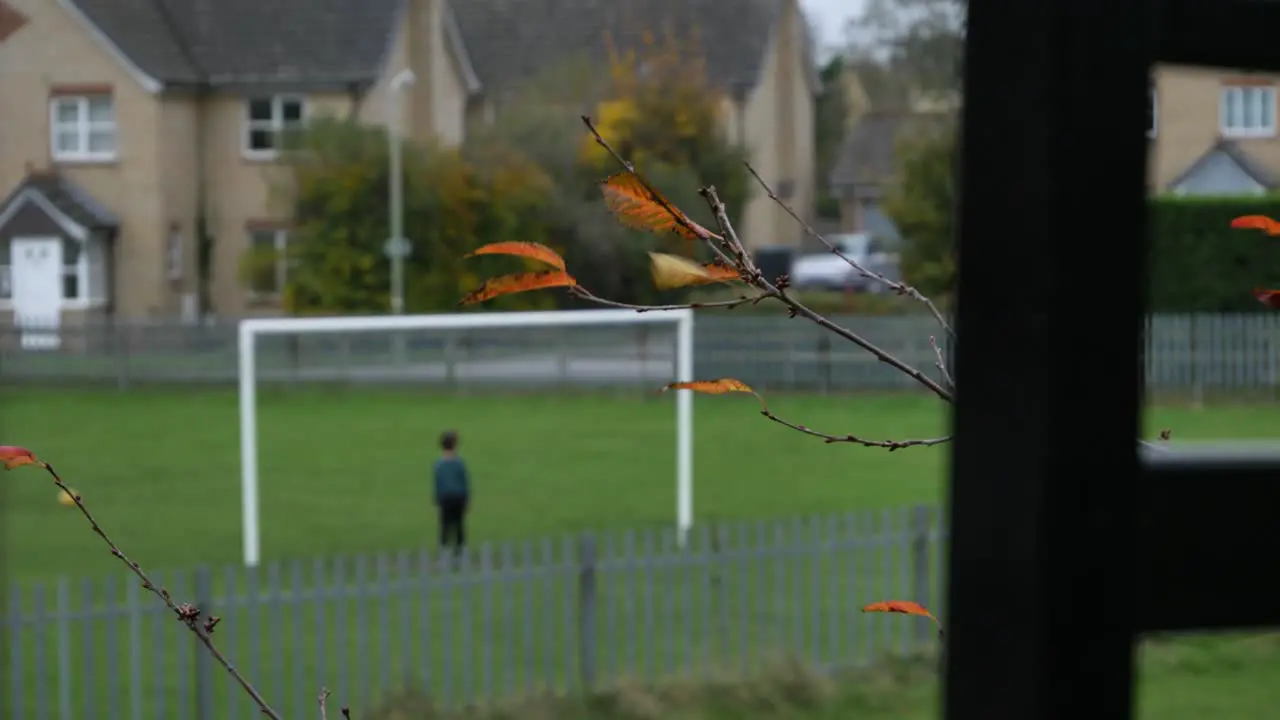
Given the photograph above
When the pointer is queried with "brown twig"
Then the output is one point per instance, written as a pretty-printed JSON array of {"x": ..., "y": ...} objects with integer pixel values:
[
  {"x": 891, "y": 445},
  {"x": 898, "y": 287},
  {"x": 730, "y": 241},
  {"x": 579, "y": 291},
  {"x": 188, "y": 614},
  {"x": 679, "y": 217},
  {"x": 799, "y": 308},
  {"x": 941, "y": 364},
  {"x": 1163, "y": 445}
]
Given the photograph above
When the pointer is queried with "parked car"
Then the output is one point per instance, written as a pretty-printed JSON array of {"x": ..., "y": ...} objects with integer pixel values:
[{"x": 828, "y": 271}]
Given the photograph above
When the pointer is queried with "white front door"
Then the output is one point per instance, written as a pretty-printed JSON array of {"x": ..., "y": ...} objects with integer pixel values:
[{"x": 36, "y": 272}]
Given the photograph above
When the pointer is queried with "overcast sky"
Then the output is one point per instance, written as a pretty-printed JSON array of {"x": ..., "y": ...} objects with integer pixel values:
[{"x": 829, "y": 16}]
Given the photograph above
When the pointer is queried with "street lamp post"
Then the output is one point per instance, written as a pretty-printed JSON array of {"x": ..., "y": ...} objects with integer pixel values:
[{"x": 397, "y": 247}]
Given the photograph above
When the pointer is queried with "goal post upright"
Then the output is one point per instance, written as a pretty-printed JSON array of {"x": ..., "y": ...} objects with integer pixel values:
[{"x": 251, "y": 329}]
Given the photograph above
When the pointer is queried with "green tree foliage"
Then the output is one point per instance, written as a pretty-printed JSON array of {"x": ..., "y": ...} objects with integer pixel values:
[
  {"x": 337, "y": 186},
  {"x": 660, "y": 110},
  {"x": 665, "y": 119},
  {"x": 1198, "y": 263},
  {"x": 907, "y": 46},
  {"x": 830, "y": 111},
  {"x": 922, "y": 203}
]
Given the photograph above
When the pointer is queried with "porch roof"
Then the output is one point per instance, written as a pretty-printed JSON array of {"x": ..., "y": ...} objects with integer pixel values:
[{"x": 64, "y": 201}]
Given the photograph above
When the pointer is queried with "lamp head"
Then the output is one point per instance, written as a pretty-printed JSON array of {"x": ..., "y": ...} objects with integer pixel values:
[{"x": 402, "y": 80}]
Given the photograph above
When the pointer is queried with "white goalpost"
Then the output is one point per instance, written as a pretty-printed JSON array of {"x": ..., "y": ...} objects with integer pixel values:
[{"x": 251, "y": 330}]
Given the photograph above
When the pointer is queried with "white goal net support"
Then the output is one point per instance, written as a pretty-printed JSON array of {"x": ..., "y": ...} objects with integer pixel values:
[{"x": 441, "y": 349}]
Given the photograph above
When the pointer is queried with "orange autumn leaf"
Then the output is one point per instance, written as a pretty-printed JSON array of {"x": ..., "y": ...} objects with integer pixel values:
[
  {"x": 673, "y": 271},
  {"x": 531, "y": 250},
  {"x": 1270, "y": 298},
  {"x": 905, "y": 607},
  {"x": 640, "y": 208},
  {"x": 719, "y": 386},
  {"x": 522, "y": 282},
  {"x": 1256, "y": 222},
  {"x": 12, "y": 456}
]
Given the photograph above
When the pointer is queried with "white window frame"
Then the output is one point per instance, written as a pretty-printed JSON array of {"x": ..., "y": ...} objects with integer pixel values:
[
  {"x": 1228, "y": 97},
  {"x": 280, "y": 241},
  {"x": 83, "y": 126},
  {"x": 276, "y": 124},
  {"x": 80, "y": 270}
]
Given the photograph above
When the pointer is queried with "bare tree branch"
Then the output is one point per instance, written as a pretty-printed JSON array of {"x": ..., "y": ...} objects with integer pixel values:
[
  {"x": 891, "y": 445},
  {"x": 579, "y": 291},
  {"x": 799, "y": 308},
  {"x": 722, "y": 248},
  {"x": 898, "y": 287},
  {"x": 941, "y": 364},
  {"x": 187, "y": 613},
  {"x": 730, "y": 250}
]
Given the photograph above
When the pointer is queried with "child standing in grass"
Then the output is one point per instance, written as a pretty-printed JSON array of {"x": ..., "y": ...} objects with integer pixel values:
[{"x": 452, "y": 493}]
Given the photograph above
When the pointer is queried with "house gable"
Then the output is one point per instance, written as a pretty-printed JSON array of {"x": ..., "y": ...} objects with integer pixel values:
[
  {"x": 55, "y": 202},
  {"x": 458, "y": 50},
  {"x": 31, "y": 213},
  {"x": 1224, "y": 169},
  {"x": 103, "y": 28}
]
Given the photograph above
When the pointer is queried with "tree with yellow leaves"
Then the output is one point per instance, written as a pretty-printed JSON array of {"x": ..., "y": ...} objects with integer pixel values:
[{"x": 662, "y": 110}]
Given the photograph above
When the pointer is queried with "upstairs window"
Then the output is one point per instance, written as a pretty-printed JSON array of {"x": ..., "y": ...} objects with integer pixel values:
[
  {"x": 83, "y": 128},
  {"x": 269, "y": 117},
  {"x": 1248, "y": 110}
]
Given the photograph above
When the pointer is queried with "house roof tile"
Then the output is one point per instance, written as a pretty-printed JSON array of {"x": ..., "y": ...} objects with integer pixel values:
[
  {"x": 250, "y": 42},
  {"x": 512, "y": 40},
  {"x": 868, "y": 155},
  {"x": 141, "y": 31},
  {"x": 306, "y": 43}
]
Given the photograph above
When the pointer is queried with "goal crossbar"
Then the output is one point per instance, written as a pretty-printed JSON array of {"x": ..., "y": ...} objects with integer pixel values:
[{"x": 251, "y": 329}]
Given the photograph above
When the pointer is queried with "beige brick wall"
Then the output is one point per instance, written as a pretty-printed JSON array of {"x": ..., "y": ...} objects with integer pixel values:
[{"x": 53, "y": 51}]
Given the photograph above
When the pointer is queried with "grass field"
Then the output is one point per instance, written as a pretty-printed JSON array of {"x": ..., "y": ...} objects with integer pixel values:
[
  {"x": 1230, "y": 676},
  {"x": 347, "y": 471}
]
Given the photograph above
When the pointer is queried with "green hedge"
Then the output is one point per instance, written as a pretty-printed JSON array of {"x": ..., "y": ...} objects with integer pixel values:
[{"x": 1198, "y": 263}]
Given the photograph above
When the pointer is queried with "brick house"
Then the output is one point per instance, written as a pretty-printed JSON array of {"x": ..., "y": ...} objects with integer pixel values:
[
  {"x": 1213, "y": 132},
  {"x": 131, "y": 126},
  {"x": 131, "y": 129}
]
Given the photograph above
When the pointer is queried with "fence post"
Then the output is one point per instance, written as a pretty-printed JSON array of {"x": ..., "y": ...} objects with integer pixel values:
[
  {"x": 922, "y": 569},
  {"x": 450, "y": 356},
  {"x": 561, "y": 339},
  {"x": 716, "y": 561},
  {"x": 203, "y": 666},
  {"x": 824, "y": 363},
  {"x": 120, "y": 348},
  {"x": 65, "y": 678},
  {"x": 587, "y": 611}
]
